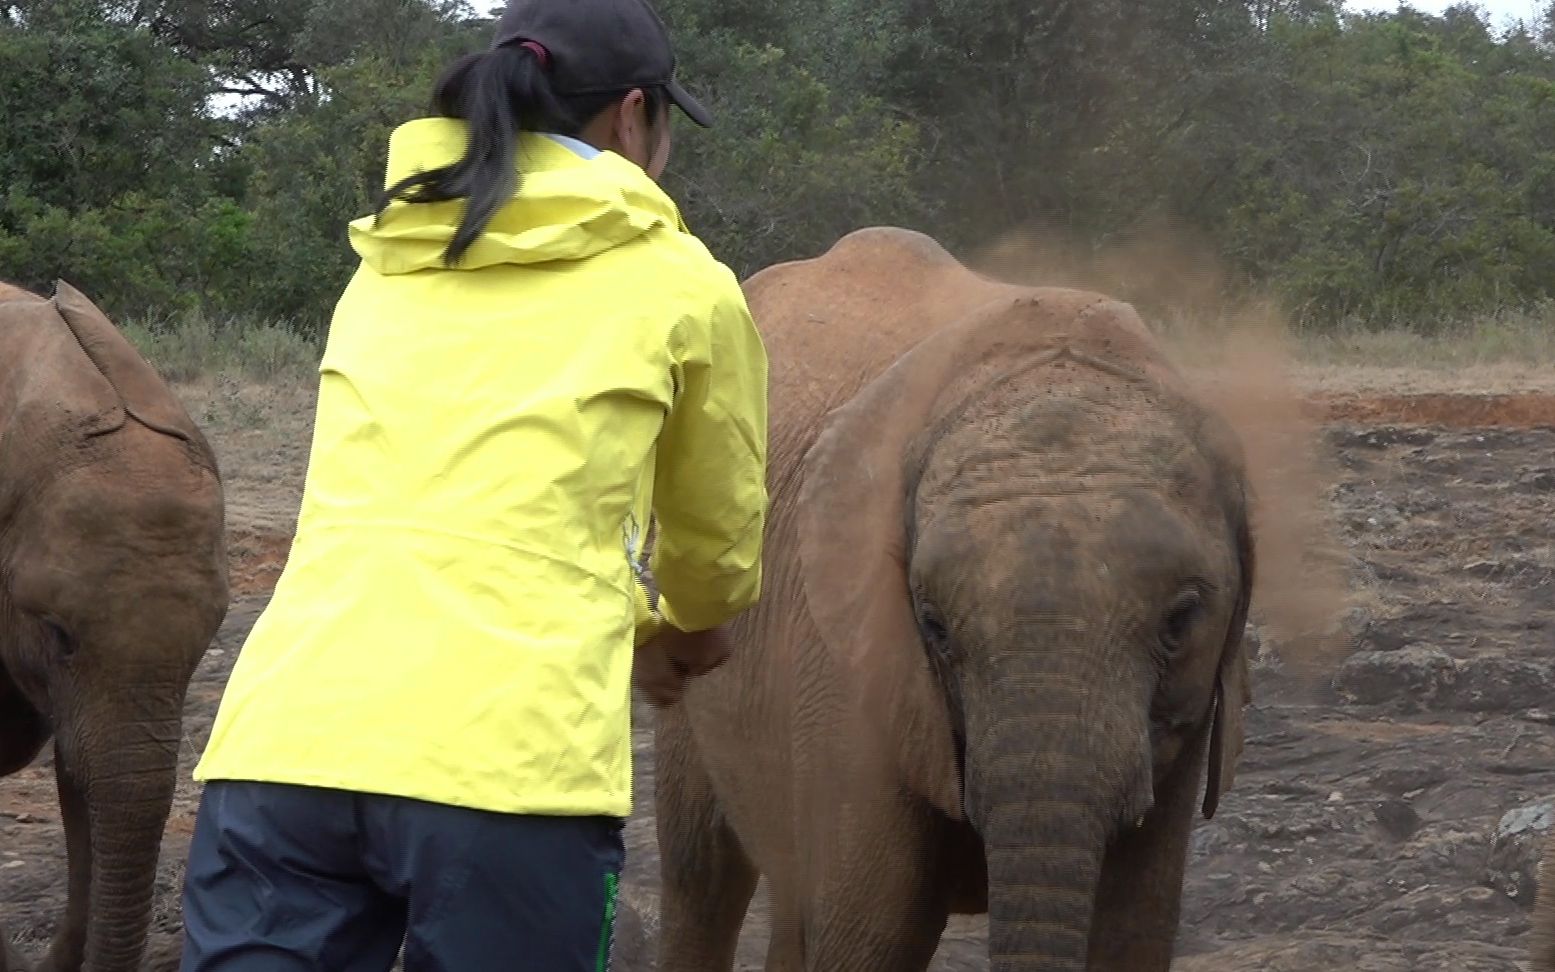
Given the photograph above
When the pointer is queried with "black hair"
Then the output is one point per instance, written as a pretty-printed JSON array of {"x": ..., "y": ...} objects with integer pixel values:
[{"x": 499, "y": 93}]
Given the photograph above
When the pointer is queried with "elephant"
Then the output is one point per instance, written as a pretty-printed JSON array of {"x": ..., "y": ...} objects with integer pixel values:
[
  {"x": 1000, "y": 642},
  {"x": 113, "y": 582}
]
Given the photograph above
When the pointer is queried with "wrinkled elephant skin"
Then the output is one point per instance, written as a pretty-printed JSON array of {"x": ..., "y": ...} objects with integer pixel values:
[
  {"x": 999, "y": 647},
  {"x": 113, "y": 581}
]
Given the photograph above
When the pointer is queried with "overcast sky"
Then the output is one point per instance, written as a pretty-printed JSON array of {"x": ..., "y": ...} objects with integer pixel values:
[{"x": 1501, "y": 11}]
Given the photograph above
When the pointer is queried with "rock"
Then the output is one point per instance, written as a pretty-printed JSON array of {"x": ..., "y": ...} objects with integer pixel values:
[
  {"x": 1484, "y": 568},
  {"x": 1537, "y": 481},
  {"x": 1399, "y": 780},
  {"x": 1309, "y": 951},
  {"x": 1323, "y": 884},
  {"x": 1208, "y": 839},
  {"x": 1356, "y": 619},
  {"x": 1380, "y": 438},
  {"x": 10, "y": 959},
  {"x": 1493, "y": 684},
  {"x": 1381, "y": 636},
  {"x": 1416, "y": 677},
  {"x": 1398, "y": 819},
  {"x": 1260, "y": 654},
  {"x": 632, "y": 950},
  {"x": 1362, "y": 629},
  {"x": 1515, "y": 849},
  {"x": 1514, "y": 571}
]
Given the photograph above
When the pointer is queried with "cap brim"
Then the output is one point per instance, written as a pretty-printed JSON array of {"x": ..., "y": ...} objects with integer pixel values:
[{"x": 692, "y": 107}]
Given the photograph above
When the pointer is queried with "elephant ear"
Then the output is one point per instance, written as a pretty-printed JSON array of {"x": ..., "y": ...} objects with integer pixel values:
[
  {"x": 141, "y": 391},
  {"x": 853, "y": 551},
  {"x": 1232, "y": 689}
]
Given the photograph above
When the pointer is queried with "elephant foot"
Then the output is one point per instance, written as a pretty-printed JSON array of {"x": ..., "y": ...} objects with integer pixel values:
[
  {"x": 63, "y": 956},
  {"x": 10, "y": 959},
  {"x": 163, "y": 954}
]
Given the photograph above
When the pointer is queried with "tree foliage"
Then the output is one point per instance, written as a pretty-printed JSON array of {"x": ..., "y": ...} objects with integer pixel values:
[{"x": 179, "y": 154}]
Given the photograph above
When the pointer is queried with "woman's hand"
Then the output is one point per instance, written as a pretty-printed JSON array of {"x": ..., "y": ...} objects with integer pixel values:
[{"x": 662, "y": 665}]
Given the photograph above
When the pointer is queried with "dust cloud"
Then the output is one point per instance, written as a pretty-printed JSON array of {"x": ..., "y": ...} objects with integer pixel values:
[{"x": 1237, "y": 353}]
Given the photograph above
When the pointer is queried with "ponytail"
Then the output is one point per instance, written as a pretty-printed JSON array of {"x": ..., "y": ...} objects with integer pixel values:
[{"x": 498, "y": 93}]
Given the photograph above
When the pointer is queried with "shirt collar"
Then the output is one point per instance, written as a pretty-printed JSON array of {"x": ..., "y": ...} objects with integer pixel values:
[{"x": 583, "y": 149}]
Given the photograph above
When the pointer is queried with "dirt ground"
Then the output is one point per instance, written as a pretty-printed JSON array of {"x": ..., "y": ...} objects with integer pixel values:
[{"x": 1385, "y": 816}]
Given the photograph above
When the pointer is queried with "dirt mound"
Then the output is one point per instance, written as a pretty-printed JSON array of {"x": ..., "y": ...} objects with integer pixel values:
[
  {"x": 256, "y": 560},
  {"x": 1526, "y": 410}
]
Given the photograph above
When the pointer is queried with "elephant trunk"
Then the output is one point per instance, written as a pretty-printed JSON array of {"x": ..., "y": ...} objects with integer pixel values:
[
  {"x": 1048, "y": 786},
  {"x": 123, "y": 770}
]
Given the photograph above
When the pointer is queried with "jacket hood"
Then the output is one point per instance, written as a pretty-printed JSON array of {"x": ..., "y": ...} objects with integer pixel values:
[{"x": 567, "y": 207}]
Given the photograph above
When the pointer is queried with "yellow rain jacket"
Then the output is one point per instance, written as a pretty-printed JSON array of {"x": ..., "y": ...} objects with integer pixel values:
[{"x": 456, "y": 619}]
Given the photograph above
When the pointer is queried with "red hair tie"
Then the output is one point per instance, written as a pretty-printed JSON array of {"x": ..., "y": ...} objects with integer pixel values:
[{"x": 540, "y": 52}]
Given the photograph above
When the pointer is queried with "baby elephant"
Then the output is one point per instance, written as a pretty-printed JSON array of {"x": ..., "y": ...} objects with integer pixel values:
[
  {"x": 1008, "y": 575},
  {"x": 113, "y": 580}
]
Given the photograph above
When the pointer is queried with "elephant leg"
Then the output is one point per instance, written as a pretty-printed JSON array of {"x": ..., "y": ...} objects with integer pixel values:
[
  {"x": 68, "y": 950},
  {"x": 1139, "y": 897},
  {"x": 894, "y": 939},
  {"x": 23, "y": 734},
  {"x": 785, "y": 947},
  {"x": 23, "y": 731},
  {"x": 707, "y": 879},
  {"x": 886, "y": 900}
]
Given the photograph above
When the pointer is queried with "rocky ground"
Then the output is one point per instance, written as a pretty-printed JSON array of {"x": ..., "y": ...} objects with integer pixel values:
[{"x": 1386, "y": 816}]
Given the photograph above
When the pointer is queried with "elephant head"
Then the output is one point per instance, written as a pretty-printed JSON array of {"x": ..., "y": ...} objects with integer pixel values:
[
  {"x": 1055, "y": 537},
  {"x": 113, "y": 562}
]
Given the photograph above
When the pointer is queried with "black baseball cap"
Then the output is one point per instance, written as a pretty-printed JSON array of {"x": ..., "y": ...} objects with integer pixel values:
[{"x": 598, "y": 46}]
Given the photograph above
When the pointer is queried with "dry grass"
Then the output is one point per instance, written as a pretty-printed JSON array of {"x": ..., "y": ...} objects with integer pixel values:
[
  {"x": 1502, "y": 353},
  {"x": 1509, "y": 352},
  {"x": 199, "y": 347},
  {"x": 1513, "y": 352},
  {"x": 1176, "y": 279},
  {"x": 1521, "y": 338}
]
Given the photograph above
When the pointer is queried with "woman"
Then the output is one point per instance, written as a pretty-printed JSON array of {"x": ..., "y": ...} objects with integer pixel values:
[{"x": 426, "y": 738}]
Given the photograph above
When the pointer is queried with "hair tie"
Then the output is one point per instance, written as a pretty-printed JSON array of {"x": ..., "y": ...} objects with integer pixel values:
[{"x": 540, "y": 52}]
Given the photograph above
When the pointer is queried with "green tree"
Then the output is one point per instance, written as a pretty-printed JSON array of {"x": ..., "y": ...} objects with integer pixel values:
[
  {"x": 106, "y": 159},
  {"x": 316, "y": 168}
]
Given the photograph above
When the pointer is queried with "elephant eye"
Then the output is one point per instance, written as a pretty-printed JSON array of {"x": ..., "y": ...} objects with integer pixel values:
[
  {"x": 55, "y": 630},
  {"x": 1185, "y": 613}
]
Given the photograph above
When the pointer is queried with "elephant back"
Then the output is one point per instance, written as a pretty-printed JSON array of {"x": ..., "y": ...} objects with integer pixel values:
[
  {"x": 13, "y": 292},
  {"x": 835, "y": 323},
  {"x": 80, "y": 376}
]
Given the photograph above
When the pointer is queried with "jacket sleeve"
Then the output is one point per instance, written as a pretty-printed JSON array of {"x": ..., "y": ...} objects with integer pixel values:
[{"x": 710, "y": 495}]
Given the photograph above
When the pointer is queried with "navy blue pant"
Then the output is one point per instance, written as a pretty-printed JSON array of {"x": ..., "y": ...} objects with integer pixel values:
[{"x": 301, "y": 879}]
